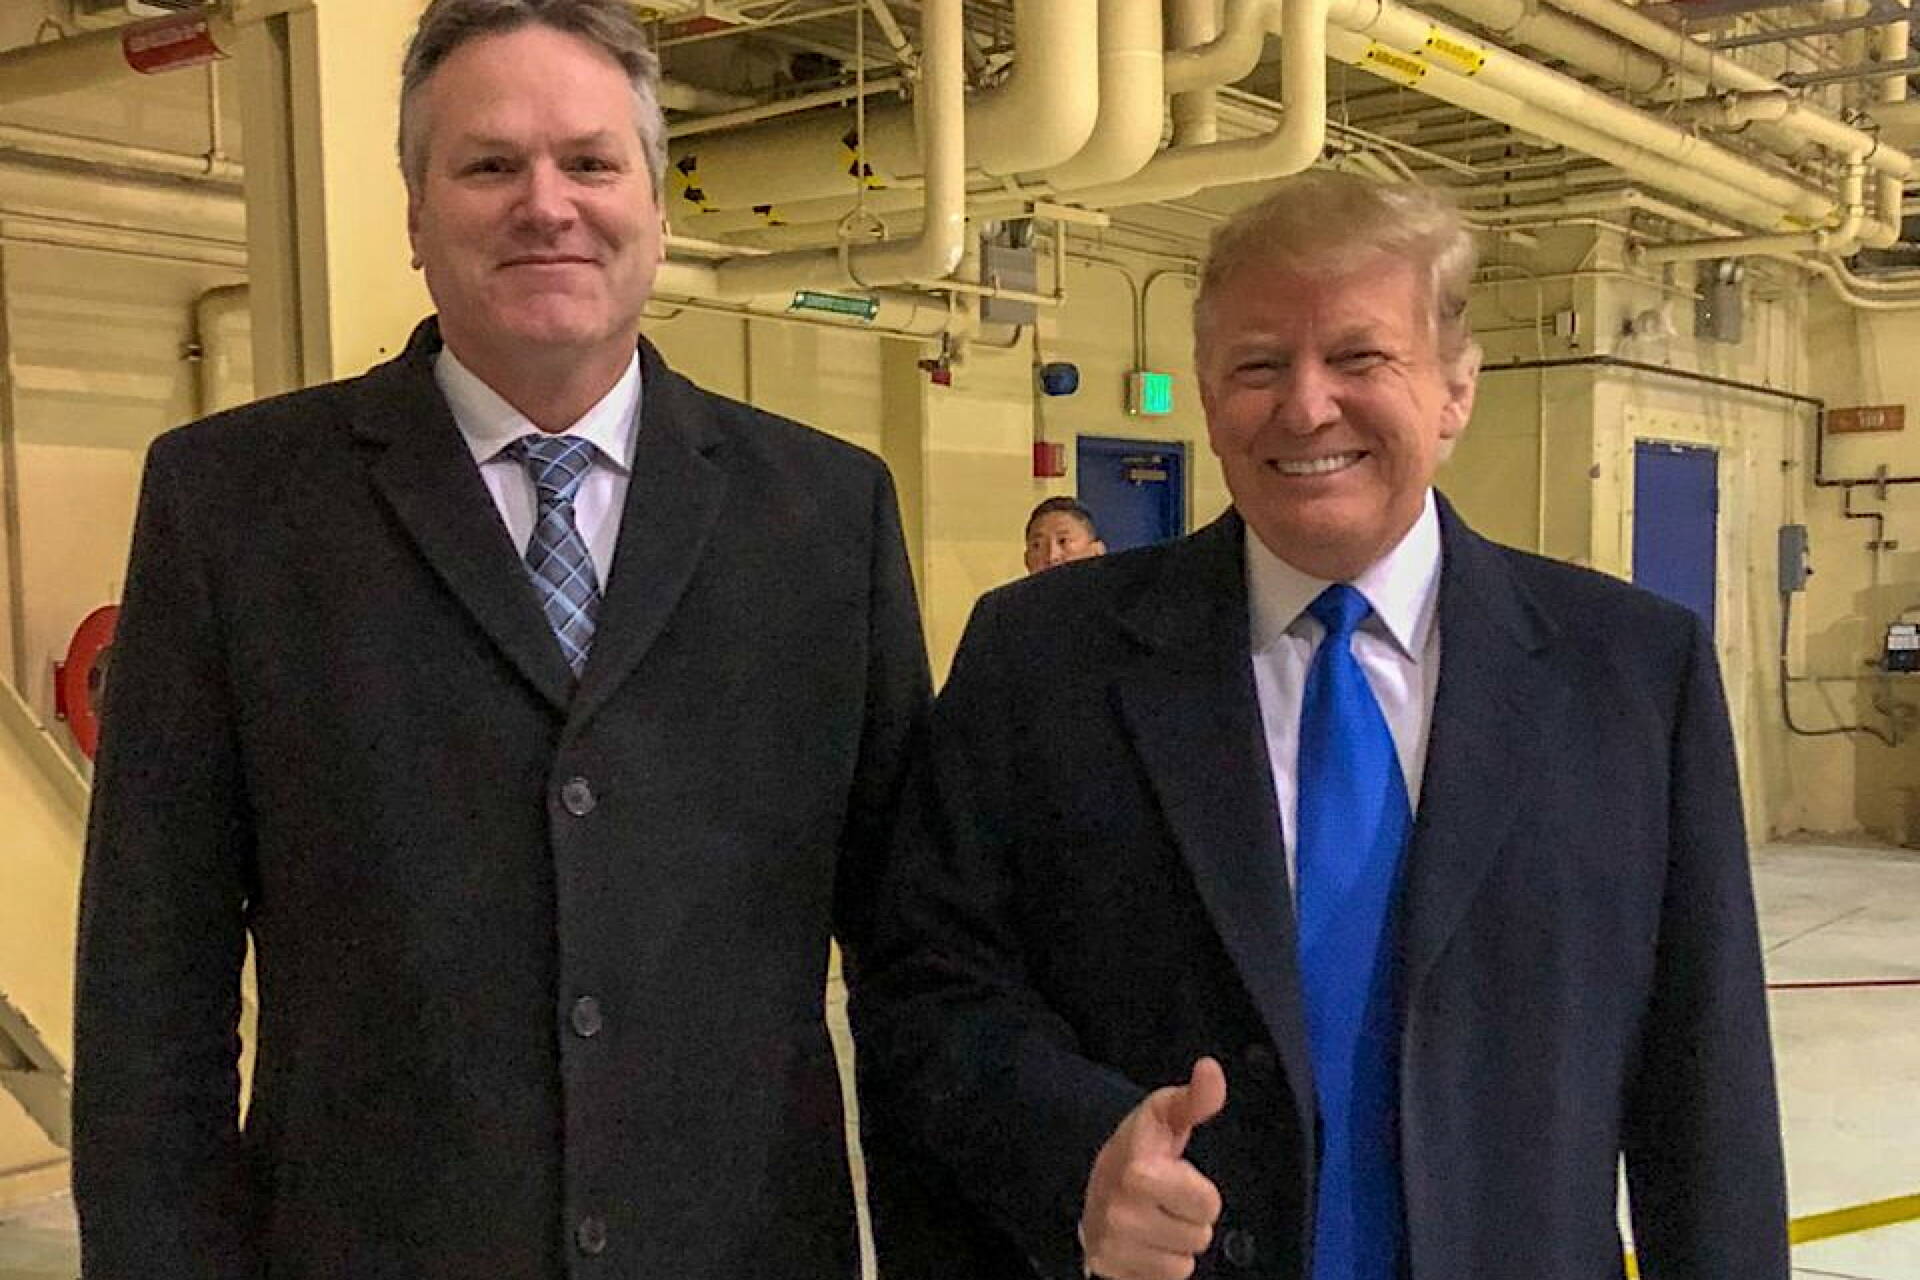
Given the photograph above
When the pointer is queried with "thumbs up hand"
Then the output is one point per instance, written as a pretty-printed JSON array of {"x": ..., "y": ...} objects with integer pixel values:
[{"x": 1149, "y": 1213}]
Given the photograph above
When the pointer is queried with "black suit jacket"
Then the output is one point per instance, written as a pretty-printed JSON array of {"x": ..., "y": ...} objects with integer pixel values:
[
  {"x": 1091, "y": 893},
  {"x": 541, "y": 969}
]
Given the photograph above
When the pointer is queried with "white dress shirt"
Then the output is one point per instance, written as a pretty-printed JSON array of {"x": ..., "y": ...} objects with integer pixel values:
[
  {"x": 490, "y": 425},
  {"x": 1398, "y": 647}
]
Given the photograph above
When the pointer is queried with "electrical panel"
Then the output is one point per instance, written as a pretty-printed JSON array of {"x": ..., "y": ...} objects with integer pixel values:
[
  {"x": 1794, "y": 569},
  {"x": 1903, "y": 647}
]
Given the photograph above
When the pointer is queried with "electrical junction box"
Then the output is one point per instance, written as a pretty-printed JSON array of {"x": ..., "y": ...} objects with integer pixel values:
[
  {"x": 1903, "y": 647},
  {"x": 1009, "y": 268},
  {"x": 1716, "y": 307},
  {"x": 1794, "y": 569},
  {"x": 1149, "y": 394}
]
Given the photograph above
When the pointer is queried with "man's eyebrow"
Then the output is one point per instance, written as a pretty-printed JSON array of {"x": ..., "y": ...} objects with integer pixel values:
[{"x": 496, "y": 142}]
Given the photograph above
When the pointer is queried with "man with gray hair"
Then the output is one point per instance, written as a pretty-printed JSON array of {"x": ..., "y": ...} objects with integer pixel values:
[
  {"x": 1394, "y": 889},
  {"x": 465, "y": 692}
]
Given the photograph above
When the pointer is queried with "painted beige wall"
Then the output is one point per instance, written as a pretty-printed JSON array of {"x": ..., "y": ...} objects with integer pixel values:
[
  {"x": 1852, "y": 783},
  {"x": 100, "y": 364}
]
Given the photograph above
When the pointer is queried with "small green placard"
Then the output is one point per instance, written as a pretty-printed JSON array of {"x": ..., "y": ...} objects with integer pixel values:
[{"x": 838, "y": 303}]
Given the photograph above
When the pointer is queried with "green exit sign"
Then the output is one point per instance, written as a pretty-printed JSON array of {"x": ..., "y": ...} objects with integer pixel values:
[{"x": 1150, "y": 395}]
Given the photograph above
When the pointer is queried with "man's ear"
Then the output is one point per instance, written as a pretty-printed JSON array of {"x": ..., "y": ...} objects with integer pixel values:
[
  {"x": 666, "y": 231},
  {"x": 1462, "y": 382},
  {"x": 413, "y": 225}
]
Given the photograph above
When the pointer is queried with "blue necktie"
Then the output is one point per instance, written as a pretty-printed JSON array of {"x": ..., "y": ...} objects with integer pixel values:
[
  {"x": 1353, "y": 823},
  {"x": 557, "y": 558}
]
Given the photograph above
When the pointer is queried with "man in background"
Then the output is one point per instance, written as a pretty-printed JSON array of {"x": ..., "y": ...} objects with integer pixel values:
[
  {"x": 1332, "y": 894},
  {"x": 468, "y": 693},
  {"x": 1059, "y": 530}
]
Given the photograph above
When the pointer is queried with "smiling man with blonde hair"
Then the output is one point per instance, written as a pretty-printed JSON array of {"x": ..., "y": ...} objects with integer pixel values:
[{"x": 1393, "y": 889}]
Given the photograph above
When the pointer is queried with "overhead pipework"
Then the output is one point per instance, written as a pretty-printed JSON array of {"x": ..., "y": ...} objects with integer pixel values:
[{"x": 1101, "y": 105}]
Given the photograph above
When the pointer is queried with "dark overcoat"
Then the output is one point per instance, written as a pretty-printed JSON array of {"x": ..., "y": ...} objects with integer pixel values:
[
  {"x": 541, "y": 969},
  {"x": 1092, "y": 893}
]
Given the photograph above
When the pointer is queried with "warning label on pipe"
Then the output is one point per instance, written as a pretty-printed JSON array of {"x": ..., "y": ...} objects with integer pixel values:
[
  {"x": 1391, "y": 64},
  {"x": 1453, "y": 55}
]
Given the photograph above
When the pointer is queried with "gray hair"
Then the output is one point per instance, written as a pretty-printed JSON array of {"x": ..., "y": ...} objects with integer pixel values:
[
  {"x": 607, "y": 25},
  {"x": 1323, "y": 220}
]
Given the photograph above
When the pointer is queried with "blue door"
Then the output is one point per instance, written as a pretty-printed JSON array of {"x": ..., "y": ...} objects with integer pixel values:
[
  {"x": 1676, "y": 508},
  {"x": 1136, "y": 489}
]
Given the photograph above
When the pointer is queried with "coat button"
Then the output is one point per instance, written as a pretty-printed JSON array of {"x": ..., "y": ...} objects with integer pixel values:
[
  {"x": 576, "y": 796},
  {"x": 591, "y": 1235},
  {"x": 1238, "y": 1247},
  {"x": 586, "y": 1017}
]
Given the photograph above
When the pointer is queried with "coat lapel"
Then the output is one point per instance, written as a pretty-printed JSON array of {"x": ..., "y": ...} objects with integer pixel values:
[
  {"x": 1194, "y": 717},
  {"x": 1489, "y": 733},
  {"x": 674, "y": 497},
  {"x": 423, "y": 470}
]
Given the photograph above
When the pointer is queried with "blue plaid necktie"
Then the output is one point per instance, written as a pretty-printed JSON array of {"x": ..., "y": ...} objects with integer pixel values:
[
  {"x": 557, "y": 558},
  {"x": 1354, "y": 821}
]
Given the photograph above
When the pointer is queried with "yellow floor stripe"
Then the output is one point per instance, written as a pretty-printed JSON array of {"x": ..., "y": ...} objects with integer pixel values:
[
  {"x": 1851, "y": 1220},
  {"x": 1859, "y": 1217}
]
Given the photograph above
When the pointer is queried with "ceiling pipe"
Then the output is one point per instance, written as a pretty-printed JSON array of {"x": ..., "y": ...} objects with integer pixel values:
[
  {"x": 937, "y": 250},
  {"x": 1598, "y": 203},
  {"x": 1292, "y": 145},
  {"x": 1193, "y": 23},
  {"x": 1558, "y": 36},
  {"x": 1435, "y": 49},
  {"x": 897, "y": 312},
  {"x": 91, "y": 60},
  {"x": 1845, "y": 285},
  {"x": 214, "y": 356},
  {"x": 1231, "y": 55},
  {"x": 201, "y": 212},
  {"x": 1642, "y": 163},
  {"x": 784, "y": 107},
  {"x": 1045, "y": 111},
  {"x": 1721, "y": 74},
  {"x": 1885, "y": 231},
  {"x": 678, "y": 95},
  {"x": 1041, "y": 116},
  {"x": 1840, "y": 240},
  {"x": 1126, "y": 133},
  {"x": 93, "y": 153}
]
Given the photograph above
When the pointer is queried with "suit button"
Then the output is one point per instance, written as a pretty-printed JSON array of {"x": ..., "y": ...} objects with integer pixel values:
[
  {"x": 586, "y": 1018},
  {"x": 591, "y": 1235},
  {"x": 1259, "y": 1059},
  {"x": 576, "y": 796},
  {"x": 1238, "y": 1247}
]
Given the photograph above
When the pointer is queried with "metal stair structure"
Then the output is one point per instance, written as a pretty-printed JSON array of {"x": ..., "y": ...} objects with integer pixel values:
[{"x": 45, "y": 798}]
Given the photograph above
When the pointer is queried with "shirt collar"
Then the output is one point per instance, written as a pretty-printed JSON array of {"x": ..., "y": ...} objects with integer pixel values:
[
  {"x": 489, "y": 424},
  {"x": 1403, "y": 587}
]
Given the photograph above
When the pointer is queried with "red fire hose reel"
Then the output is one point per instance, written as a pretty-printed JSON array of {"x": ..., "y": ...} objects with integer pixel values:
[{"x": 80, "y": 682}]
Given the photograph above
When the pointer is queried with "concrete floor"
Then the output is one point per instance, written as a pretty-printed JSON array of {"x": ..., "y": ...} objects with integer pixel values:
[{"x": 1849, "y": 1059}]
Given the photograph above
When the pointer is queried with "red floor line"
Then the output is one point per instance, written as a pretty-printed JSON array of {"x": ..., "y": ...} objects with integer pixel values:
[{"x": 1843, "y": 984}]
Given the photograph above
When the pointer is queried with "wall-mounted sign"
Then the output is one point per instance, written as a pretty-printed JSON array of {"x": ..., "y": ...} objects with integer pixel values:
[{"x": 1866, "y": 417}]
